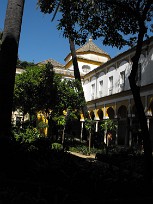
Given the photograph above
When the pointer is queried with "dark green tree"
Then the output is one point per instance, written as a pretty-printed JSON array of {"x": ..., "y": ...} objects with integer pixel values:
[
  {"x": 25, "y": 64},
  {"x": 27, "y": 89},
  {"x": 68, "y": 96},
  {"x": 36, "y": 89},
  {"x": 40, "y": 89}
]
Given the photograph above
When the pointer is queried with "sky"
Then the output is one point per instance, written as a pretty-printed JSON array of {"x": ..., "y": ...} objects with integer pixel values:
[{"x": 40, "y": 39}]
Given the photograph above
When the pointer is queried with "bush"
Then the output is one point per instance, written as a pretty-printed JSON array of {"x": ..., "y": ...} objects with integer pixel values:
[
  {"x": 28, "y": 135},
  {"x": 57, "y": 146},
  {"x": 84, "y": 149}
]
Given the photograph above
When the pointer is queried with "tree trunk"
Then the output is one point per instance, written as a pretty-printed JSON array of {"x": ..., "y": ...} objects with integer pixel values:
[
  {"x": 74, "y": 60},
  {"x": 89, "y": 142},
  {"x": 78, "y": 77},
  {"x": 8, "y": 60},
  {"x": 140, "y": 110}
]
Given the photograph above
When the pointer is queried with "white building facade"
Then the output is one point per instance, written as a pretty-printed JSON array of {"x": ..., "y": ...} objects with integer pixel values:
[{"x": 108, "y": 95}]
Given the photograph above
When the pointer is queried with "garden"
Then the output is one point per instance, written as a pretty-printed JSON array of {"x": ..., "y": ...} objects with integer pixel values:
[{"x": 35, "y": 169}]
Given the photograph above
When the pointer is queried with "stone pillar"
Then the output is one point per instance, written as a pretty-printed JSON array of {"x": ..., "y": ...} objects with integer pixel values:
[
  {"x": 130, "y": 132},
  {"x": 96, "y": 129},
  {"x": 81, "y": 134},
  {"x": 116, "y": 139}
]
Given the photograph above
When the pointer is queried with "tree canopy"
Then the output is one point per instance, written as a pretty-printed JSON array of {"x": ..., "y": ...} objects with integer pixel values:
[
  {"x": 39, "y": 88},
  {"x": 80, "y": 19}
]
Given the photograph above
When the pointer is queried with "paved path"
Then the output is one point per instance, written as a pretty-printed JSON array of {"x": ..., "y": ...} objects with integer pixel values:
[{"x": 91, "y": 156}]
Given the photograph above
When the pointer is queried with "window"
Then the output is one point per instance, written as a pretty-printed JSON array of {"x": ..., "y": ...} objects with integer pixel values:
[
  {"x": 100, "y": 88},
  {"x": 86, "y": 68},
  {"x": 122, "y": 80},
  {"x": 92, "y": 91},
  {"x": 110, "y": 85},
  {"x": 138, "y": 75},
  {"x": 18, "y": 121},
  {"x": 122, "y": 77}
]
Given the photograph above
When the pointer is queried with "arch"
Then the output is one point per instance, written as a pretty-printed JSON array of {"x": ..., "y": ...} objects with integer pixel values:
[
  {"x": 86, "y": 82},
  {"x": 134, "y": 111},
  {"x": 100, "y": 114},
  {"x": 110, "y": 69},
  {"x": 141, "y": 59},
  {"x": 151, "y": 54},
  {"x": 92, "y": 115},
  {"x": 101, "y": 74},
  {"x": 150, "y": 107},
  {"x": 93, "y": 78},
  {"x": 121, "y": 63},
  {"x": 111, "y": 113},
  {"x": 122, "y": 112}
]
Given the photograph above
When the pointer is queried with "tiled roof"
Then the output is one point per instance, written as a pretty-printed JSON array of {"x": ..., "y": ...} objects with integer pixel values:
[
  {"x": 53, "y": 62},
  {"x": 65, "y": 72},
  {"x": 90, "y": 46}
]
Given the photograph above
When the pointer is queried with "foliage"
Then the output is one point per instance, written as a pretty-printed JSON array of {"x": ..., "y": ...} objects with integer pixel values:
[
  {"x": 26, "y": 90},
  {"x": 39, "y": 88},
  {"x": 68, "y": 97},
  {"x": 42, "y": 125},
  {"x": 84, "y": 149},
  {"x": 35, "y": 89},
  {"x": 24, "y": 64},
  {"x": 56, "y": 146},
  {"x": 82, "y": 18},
  {"x": 72, "y": 115},
  {"x": 89, "y": 124},
  {"x": 60, "y": 120},
  {"x": 27, "y": 135},
  {"x": 108, "y": 125}
]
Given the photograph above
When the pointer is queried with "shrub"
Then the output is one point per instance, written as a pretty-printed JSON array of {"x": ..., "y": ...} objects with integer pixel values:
[
  {"x": 57, "y": 146},
  {"x": 28, "y": 135}
]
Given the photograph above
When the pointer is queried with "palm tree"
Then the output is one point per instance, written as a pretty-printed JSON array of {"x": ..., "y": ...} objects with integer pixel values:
[
  {"x": 8, "y": 60},
  {"x": 1, "y": 34}
]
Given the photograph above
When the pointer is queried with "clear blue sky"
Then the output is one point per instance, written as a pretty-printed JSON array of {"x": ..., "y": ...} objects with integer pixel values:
[{"x": 40, "y": 39}]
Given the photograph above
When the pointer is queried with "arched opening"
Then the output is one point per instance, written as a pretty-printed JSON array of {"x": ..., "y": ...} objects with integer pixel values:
[
  {"x": 135, "y": 127},
  {"x": 92, "y": 115},
  {"x": 122, "y": 112},
  {"x": 134, "y": 111},
  {"x": 111, "y": 113},
  {"x": 150, "y": 118},
  {"x": 100, "y": 114}
]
